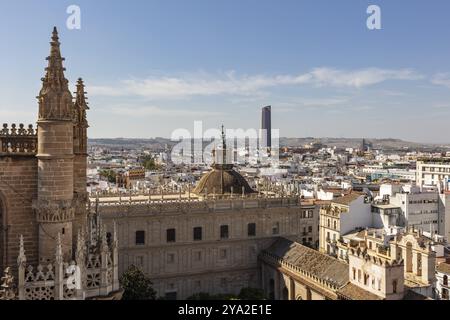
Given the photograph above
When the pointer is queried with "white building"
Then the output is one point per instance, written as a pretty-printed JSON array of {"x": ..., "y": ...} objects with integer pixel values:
[
  {"x": 433, "y": 171},
  {"x": 343, "y": 215},
  {"x": 442, "y": 275}
]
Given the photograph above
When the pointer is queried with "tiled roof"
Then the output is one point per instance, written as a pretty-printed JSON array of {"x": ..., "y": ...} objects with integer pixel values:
[
  {"x": 347, "y": 199},
  {"x": 310, "y": 260},
  {"x": 411, "y": 295},
  {"x": 353, "y": 292},
  {"x": 443, "y": 267}
]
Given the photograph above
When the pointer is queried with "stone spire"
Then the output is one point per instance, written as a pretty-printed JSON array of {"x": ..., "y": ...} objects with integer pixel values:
[
  {"x": 81, "y": 104},
  {"x": 55, "y": 99}
]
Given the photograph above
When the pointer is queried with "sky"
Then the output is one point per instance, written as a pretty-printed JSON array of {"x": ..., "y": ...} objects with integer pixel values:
[{"x": 153, "y": 66}]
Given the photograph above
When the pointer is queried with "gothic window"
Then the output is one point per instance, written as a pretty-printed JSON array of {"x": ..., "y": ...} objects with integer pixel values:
[
  {"x": 251, "y": 229},
  {"x": 445, "y": 280},
  {"x": 224, "y": 232},
  {"x": 140, "y": 237},
  {"x": 354, "y": 273},
  {"x": 197, "y": 233},
  {"x": 366, "y": 279},
  {"x": 171, "y": 235},
  {"x": 394, "y": 286},
  {"x": 335, "y": 225}
]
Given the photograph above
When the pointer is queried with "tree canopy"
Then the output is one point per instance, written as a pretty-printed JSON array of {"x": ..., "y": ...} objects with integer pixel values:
[{"x": 137, "y": 285}]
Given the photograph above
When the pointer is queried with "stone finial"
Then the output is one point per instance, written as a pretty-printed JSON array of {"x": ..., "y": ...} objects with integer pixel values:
[
  {"x": 115, "y": 235},
  {"x": 81, "y": 104},
  {"x": 104, "y": 244},
  {"x": 58, "y": 253},
  {"x": 21, "y": 259}
]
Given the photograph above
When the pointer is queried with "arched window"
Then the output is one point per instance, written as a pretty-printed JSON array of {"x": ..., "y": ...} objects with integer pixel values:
[
  {"x": 328, "y": 223},
  {"x": 335, "y": 225},
  {"x": 394, "y": 286},
  {"x": 445, "y": 280},
  {"x": 308, "y": 294}
]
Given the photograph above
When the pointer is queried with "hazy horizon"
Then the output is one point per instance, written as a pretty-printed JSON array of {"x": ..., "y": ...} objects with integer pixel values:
[{"x": 155, "y": 66}]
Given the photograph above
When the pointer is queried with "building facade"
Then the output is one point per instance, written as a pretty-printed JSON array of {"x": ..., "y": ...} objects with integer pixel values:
[
  {"x": 188, "y": 246},
  {"x": 432, "y": 171},
  {"x": 400, "y": 267}
]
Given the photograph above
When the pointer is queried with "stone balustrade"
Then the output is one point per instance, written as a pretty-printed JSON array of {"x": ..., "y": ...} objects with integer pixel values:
[{"x": 18, "y": 140}]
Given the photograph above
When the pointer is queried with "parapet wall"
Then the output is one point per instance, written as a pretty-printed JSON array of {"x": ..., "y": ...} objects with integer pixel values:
[{"x": 18, "y": 140}]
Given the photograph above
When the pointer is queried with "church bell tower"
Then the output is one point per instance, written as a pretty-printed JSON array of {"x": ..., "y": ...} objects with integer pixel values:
[{"x": 54, "y": 206}]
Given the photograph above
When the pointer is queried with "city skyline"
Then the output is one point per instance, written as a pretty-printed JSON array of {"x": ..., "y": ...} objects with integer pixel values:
[{"x": 327, "y": 75}]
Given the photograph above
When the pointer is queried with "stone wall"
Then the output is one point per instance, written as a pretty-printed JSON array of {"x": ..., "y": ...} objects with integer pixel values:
[
  {"x": 18, "y": 188},
  {"x": 213, "y": 264}
]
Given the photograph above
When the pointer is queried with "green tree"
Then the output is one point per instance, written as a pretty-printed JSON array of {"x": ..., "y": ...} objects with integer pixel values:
[
  {"x": 110, "y": 175},
  {"x": 136, "y": 285},
  {"x": 149, "y": 163}
]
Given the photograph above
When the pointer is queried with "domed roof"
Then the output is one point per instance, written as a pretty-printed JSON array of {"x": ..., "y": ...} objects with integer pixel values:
[{"x": 220, "y": 180}]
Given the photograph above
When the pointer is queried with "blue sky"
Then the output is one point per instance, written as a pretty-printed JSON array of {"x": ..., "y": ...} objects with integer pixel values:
[{"x": 154, "y": 66}]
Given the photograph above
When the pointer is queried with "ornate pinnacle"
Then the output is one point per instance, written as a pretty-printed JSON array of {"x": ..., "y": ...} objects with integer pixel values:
[
  {"x": 105, "y": 247},
  {"x": 55, "y": 81},
  {"x": 21, "y": 259},
  {"x": 81, "y": 94},
  {"x": 115, "y": 237},
  {"x": 81, "y": 104},
  {"x": 58, "y": 254},
  {"x": 80, "y": 247}
]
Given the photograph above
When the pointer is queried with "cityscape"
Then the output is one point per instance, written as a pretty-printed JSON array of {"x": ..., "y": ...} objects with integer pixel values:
[{"x": 214, "y": 211}]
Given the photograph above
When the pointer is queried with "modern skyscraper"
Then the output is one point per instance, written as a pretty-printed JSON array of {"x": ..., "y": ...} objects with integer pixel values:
[{"x": 266, "y": 124}]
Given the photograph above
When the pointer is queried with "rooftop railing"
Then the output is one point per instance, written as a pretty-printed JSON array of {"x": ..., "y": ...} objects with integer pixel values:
[{"x": 18, "y": 140}]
